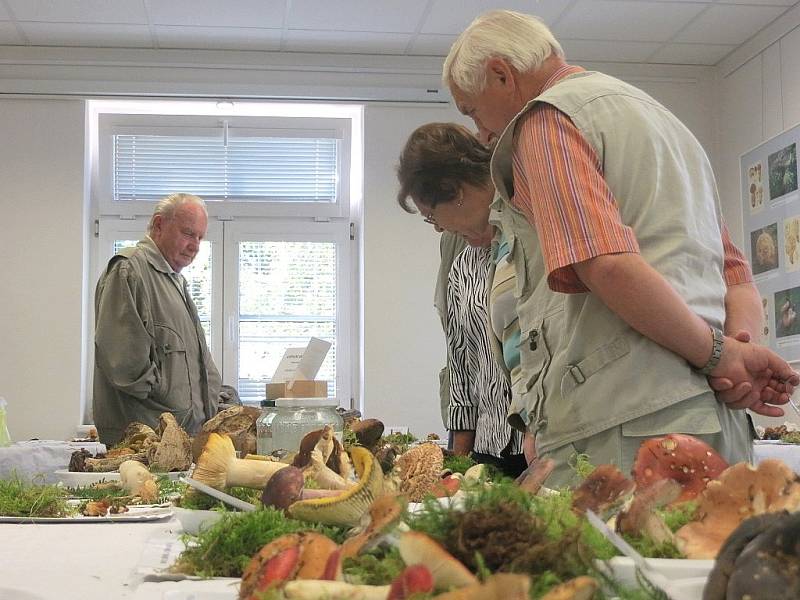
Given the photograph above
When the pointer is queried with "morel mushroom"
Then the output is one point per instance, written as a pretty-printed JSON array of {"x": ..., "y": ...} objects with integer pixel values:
[
  {"x": 418, "y": 470},
  {"x": 219, "y": 467}
]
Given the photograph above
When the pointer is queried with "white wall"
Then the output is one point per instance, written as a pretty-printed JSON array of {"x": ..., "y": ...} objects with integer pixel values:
[
  {"x": 758, "y": 96},
  {"x": 42, "y": 177},
  {"x": 41, "y": 265}
]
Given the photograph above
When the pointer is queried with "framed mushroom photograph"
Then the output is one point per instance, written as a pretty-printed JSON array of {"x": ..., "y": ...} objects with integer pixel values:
[
  {"x": 764, "y": 248},
  {"x": 782, "y": 171},
  {"x": 755, "y": 187},
  {"x": 787, "y": 304},
  {"x": 791, "y": 243}
]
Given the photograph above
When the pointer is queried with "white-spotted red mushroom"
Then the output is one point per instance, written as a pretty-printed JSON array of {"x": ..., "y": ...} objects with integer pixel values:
[{"x": 689, "y": 461}]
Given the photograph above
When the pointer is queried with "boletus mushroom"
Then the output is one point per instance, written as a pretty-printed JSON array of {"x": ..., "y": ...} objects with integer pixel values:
[
  {"x": 287, "y": 486},
  {"x": 322, "y": 457},
  {"x": 219, "y": 467},
  {"x": 603, "y": 491}
]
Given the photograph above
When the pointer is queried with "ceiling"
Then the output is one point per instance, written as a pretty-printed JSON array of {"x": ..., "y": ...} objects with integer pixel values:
[{"x": 640, "y": 31}]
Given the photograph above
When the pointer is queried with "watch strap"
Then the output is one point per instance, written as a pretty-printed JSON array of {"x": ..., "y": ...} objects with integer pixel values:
[{"x": 716, "y": 352}]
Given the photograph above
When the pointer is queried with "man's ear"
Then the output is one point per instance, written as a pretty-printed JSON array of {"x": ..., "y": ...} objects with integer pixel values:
[{"x": 499, "y": 72}]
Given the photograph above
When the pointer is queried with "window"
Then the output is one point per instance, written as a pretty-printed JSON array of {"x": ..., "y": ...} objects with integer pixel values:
[{"x": 277, "y": 264}]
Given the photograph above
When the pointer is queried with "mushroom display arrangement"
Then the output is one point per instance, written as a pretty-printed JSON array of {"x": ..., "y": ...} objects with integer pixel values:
[{"x": 165, "y": 450}]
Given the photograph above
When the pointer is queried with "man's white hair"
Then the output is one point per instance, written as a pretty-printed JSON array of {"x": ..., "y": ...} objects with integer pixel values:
[
  {"x": 522, "y": 40},
  {"x": 166, "y": 207}
]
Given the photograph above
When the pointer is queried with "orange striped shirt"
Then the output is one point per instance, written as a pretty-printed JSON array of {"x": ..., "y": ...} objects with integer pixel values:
[{"x": 575, "y": 212}]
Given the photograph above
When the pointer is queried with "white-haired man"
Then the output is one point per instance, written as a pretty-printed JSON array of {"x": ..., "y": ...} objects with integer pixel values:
[
  {"x": 150, "y": 349},
  {"x": 626, "y": 273}
]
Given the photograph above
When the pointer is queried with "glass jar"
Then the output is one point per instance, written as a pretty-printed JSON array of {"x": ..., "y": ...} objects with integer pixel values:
[
  {"x": 264, "y": 428},
  {"x": 298, "y": 416}
]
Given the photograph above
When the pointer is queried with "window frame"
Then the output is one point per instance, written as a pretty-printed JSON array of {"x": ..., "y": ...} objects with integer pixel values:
[
  {"x": 273, "y": 230},
  {"x": 154, "y": 124}
]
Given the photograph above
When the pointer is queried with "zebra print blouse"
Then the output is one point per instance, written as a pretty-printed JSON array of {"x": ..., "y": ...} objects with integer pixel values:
[{"x": 479, "y": 390}]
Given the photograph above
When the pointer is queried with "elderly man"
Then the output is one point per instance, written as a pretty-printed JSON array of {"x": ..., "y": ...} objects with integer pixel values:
[
  {"x": 150, "y": 349},
  {"x": 625, "y": 274}
]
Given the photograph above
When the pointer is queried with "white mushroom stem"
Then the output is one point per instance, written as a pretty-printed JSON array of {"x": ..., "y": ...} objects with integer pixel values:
[
  {"x": 312, "y": 589},
  {"x": 219, "y": 467},
  {"x": 324, "y": 475}
]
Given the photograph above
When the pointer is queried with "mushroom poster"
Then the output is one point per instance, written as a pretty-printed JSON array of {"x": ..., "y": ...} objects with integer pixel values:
[{"x": 771, "y": 224}]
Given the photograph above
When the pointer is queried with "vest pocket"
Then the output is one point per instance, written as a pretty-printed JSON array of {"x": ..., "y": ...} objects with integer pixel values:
[
  {"x": 577, "y": 373},
  {"x": 173, "y": 388}
]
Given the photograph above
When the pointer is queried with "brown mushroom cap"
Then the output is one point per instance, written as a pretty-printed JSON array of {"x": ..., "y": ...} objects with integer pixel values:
[
  {"x": 602, "y": 491},
  {"x": 367, "y": 431},
  {"x": 740, "y": 492},
  {"x": 689, "y": 461},
  {"x": 283, "y": 488}
]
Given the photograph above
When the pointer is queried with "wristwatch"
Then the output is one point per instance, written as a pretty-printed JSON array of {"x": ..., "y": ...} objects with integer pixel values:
[{"x": 716, "y": 352}]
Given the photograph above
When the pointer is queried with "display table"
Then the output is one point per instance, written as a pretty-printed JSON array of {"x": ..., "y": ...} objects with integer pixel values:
[
  {"x": 788, "y": 453},
  {"x": 41, "y": 458},
  {"x": 92, "y": 561}
]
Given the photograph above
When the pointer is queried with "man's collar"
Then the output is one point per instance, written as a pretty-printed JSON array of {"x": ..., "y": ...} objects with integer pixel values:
[
  {"x": 154, "y": 256},
  {"x": 560, "y": 74}
]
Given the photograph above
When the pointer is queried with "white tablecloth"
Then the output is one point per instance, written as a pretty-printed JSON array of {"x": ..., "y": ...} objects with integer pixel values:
[
  {"x": 41, "y": 457},
  {"x": 90, "y": 561},
  {"x": 788, "y": 453}
]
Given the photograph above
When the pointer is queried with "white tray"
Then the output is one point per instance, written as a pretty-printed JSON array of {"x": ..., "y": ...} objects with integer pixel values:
[
  {"x": 79, "y": 479},
  {"x": 200, "y": 595},
  {"x": 193, "y": 521},
  {"x": 133, "y": 515},
  {"x": 682, "y": 577}
]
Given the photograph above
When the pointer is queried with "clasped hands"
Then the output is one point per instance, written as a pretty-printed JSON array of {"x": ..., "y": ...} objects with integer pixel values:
[{"x": 752, "y": 376}]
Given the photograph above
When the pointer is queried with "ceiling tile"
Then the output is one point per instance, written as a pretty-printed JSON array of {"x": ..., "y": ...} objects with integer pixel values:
[
  {"x": 218, "y": 38},
  {"x": 547, "y": 10},
  {"x": 89, "y": 35},
  {"x": 267, "y": 14},
  {"x": 691, "y": 54},
  {"x": 578, "y": 51},
  {"x": 451, "y": 16},
  {"x": 629, "y": 21},
  {"x": 432, "y": 45},
  {"x": 79, "y": 11},
  {"x": 741, "y": 23},
  {"x": 400, "y": 16},
  {"x": 9, "y": 36},
  {"x": 767, "y": 2},
  {"x": 346, "y": 42}
]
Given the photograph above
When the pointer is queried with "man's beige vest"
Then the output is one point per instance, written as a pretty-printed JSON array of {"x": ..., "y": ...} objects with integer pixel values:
[{"x": 584, "y": 370}]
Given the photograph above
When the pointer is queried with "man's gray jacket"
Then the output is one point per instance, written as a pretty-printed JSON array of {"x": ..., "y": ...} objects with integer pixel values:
[{"x": 150, "y": 349}]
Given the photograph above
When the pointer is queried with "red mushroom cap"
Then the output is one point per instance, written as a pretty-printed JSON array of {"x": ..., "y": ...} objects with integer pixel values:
[{"x": 683, "y": 458}]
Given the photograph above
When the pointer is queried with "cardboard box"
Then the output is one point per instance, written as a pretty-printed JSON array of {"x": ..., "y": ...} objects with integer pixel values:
[{"x": 302, "y": 388}]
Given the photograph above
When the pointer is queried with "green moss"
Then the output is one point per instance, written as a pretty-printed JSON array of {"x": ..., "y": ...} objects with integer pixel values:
[
  {"x": 458, "y": 464},
  {"x": 18, "y": 498},
  {"x": 677, "y": 516},
  {"x": 195, "y": 500},
  {"x": 225, "y": 549},
  {"x": 376, "y": 567}
]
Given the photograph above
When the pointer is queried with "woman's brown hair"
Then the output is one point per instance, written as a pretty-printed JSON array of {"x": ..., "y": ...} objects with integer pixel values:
[{"x": 437, "y": 160}]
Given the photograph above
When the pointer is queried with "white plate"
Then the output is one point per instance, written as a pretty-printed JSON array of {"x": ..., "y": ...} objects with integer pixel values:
[
  {"x": 133, "y": 515},
  {"x": 188, "y": 595},
  {"x": 672, "y": 568},
  {"x": 193, "y": 521},
  {"x": 79, "y": 479}
]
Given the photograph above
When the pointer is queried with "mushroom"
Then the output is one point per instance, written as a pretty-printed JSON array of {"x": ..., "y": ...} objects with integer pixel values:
[
  {"x": 138, "y": 437},
  {"x": 302, "y": 555},
  {"x": 689, "y": 461},
  {"x": 384, "y": 513},
  {"x": 414, "y": 579},
  {"x": 367, "y": 431},
  {"x": 137, "y": 480},
  {"x": 603, "y": 491},
  {"x": 580, "y": 588},
  {"x": 760, "y": 559},
  {"x": 323, "y": 458},
  {"x": 347, "y": 508},
  {"x": 418, "y": 549},
  {"x": 333, "y": 590},
  {"x": 501, "y": 586},
  {"x": 640, "y": 518},
  {"x": 219, "y": 467},
  {"x": 173, "y": 452},
  {"x": 287, "y": 487},
  {"x": 741, "y": 491},
  {"x": 418, "y": 470},
  {"x": 532, "y": 478}
]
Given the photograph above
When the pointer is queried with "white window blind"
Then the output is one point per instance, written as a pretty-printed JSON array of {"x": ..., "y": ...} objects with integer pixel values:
[{"x": 263, "y": 169}]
